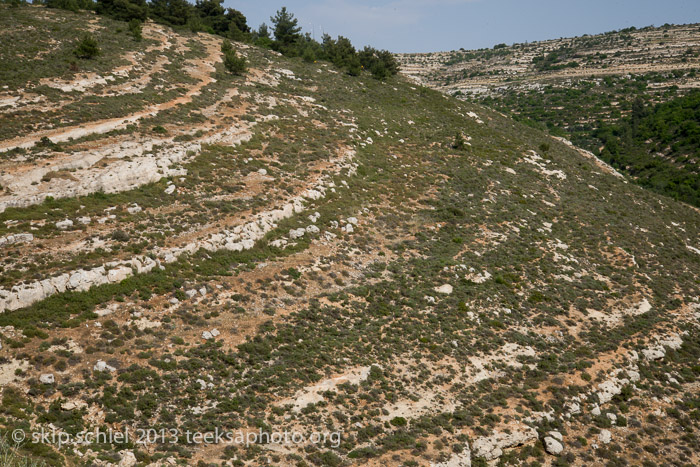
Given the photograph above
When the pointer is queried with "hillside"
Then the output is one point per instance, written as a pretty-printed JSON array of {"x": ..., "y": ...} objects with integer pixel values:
[
  {"x": 415, "y": 279},
  {"x": 573, "y": 87}
]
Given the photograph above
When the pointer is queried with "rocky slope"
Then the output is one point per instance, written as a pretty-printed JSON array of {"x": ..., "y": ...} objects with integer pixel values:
[
  {"x": 593, "y": 90},
  {"x": 301, "y": 251}
]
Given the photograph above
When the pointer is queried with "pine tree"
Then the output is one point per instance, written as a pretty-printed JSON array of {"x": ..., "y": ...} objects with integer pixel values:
[{"x": 287, "y": 31}]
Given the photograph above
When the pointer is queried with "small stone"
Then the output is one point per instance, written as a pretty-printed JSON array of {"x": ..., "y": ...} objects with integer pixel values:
[
  {"x": 262, "y": 172},
  {"x": 444, "y": 289},
  {"x": 605, "y": 436},
  {"x": 206, "y": 335},
  {"x": 215, "y": 332}
]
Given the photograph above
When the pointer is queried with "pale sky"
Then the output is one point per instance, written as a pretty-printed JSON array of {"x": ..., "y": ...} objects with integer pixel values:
[{"x": 433, "y": 25}]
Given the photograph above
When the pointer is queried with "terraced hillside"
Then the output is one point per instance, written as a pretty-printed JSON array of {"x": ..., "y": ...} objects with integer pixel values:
[
  {"x": 391, "y": 275},
  {"x": 576, "y": 87}
]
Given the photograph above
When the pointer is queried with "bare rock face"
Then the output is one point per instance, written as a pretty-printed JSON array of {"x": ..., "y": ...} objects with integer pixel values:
[
  {"x": 242, "y": 237},
  {"x": 16, "y": 238},
  {"x": 654, "y": 353},
  {"x": 137, "y": 163},
  {"x": 491, "y": 447}
]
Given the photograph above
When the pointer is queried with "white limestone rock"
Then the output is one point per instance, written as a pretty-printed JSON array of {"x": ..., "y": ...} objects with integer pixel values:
[
  {"x": 491, "y": 447},
  {"x": 47, "y": 378},
  {"x": 553, "y": 446},
  {"x": 101, "y": 365},
  {"x": 64, "y": 224},
  {"x": 445, "y": 289}
]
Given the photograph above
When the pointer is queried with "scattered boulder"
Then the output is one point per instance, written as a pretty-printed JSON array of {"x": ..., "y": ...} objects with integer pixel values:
[
  {"x": 553, "y": 443},
  {"x": 312, "y": 229},
  {"x": 47, "y": 378},
  {"x": 444, "y": 289},
  {"x": 297, "y": 233},
  {"x": 64, "y": 224},
  {"x": 101, "y": 365},
  {"x": 605, "y": 436},
  {"x": 206, "y": 335},
  {"x": 134, "y": 209},
  {"x": 128, "y": 459}
]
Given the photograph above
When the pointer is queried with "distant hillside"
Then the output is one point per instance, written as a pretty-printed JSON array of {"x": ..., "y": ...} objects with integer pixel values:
[
  {"x": 659, "y": 146},
  {"x": 573, "y": 87},
  {"x": 295, "y": 263}
]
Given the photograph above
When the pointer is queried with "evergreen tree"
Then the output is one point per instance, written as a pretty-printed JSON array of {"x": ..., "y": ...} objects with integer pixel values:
[
  {"x": 124, "y": 10},
  {"x": 287, "y": 31},
  {"x": 176, "y": 12},
  {"x": 135, "y": 29}
]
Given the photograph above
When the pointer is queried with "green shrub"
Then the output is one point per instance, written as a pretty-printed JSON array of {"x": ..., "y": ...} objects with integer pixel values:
[
  {"x": 135, "y": 29},
  {"x": 87, "y": 48},
  {"x": 234, "y": 63}
]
